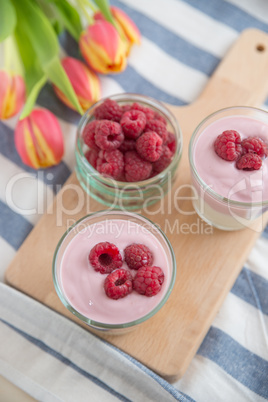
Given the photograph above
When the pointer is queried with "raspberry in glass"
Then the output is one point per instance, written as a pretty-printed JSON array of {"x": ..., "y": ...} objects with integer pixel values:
[
  {"x": 164, "y": 160},
  {"x": 149, "y": 113},
  {"x": 171, "y": 142},
  {"x": 228, "y": 145},
  {"x": 89, "y": 134},
  {"x": 118, "y": 284},
  {"x": 92, "y": 156},
  {"x": 125, "y": 108},
  {"x": 158, "y": 116},
  {"x": 108, "y": 135},
  {"x": 249, "y": 161},
  {"x": 159, "y": 127},
  {"x": 110, "y": 163},
  {"x": 133, "y": 123},
  {"x": 137, "y": 256},
  {"x": 136, "y": 168},
  {"x": 108, "y": 110},
  {"x": 105, "y": 257},
  {"x": 149, "y": 146},
  {"x": 148, "y": 280},
  {"x": 127, "y": 145}
]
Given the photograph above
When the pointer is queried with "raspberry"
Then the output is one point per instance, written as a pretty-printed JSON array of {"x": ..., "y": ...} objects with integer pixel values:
[
  {"x": 118, "y": 284},
  {"x": 108, "y": 135},
  {"x": 249, "y": 161},
  {"x": 159, "y": 127},
  {"x": 228, "y": 145},
  {"x": 108, "y": 110},
  {"x": 127, "y": 145},
  {"x": 137, "y": 256},
  {"x": 89, "y": 134},
  {"x": 133, "y": 123},
  {"x": 136, "y": 169},
  {"x": 149, "y": 113},
  {"x": 163, "y": 161},
  {"x": 92, "y": 156},
  {"x": 254, "y": 145},
  {"x": 149, "y": 146},
  {"x": 158, "y": 116},
  {"x": 171, "y": 142},
  {"x": 105, "y": 257},
  {"x": 121, "y": 177},
  {"x": 148, "y": 280},
  {"x": 125, "y": 108},
  {"x": 110, "y": 163}
]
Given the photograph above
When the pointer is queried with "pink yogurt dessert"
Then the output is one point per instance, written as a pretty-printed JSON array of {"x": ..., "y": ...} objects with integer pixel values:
[
  {"x": 225, "y": 196},
  {"x": 81, "y": 288}
]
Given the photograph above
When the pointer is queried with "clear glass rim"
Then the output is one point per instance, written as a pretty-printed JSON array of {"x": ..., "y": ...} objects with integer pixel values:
[
  {"x": 100, "y": 325},
  {"x": 127, "y": 96},
  {"x": 192, "y": 165}
]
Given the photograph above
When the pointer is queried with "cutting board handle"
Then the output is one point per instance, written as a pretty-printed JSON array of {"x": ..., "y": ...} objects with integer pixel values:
[{"x": 242, "y": 76}]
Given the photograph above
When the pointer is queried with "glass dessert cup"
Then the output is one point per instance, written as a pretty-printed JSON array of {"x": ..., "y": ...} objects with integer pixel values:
[
  {"x": 127, "y": 195},
  {"x": 105, "y": 224},
  {"x": 244, "y": 197}
]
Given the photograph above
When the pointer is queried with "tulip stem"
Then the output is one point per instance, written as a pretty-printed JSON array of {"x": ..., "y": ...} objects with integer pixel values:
[{"x": 88, "y": 17}]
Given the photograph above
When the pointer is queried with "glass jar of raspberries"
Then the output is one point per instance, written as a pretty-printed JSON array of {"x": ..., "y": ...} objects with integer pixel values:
[{"x": 128, "y": 148}]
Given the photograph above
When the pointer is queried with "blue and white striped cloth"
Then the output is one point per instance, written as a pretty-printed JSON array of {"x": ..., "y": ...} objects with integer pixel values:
[{"x": 52, "y": 358}]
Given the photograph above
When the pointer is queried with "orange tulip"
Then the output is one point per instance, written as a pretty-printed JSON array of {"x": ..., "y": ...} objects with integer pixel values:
[
  {"x": 102, "y": 48},
  {"x": 12, "y": 94},
  {"x": 39, "y": 139},
  {"x": 85, "y": 82},
  {"x": 127, "y": 25}
]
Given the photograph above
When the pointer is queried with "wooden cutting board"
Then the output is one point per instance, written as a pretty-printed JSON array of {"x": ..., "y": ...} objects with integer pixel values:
[{"x": 207, "y": 263}]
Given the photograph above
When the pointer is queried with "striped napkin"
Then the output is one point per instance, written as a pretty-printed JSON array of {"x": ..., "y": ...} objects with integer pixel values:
[{"x": 52, "y": 358}]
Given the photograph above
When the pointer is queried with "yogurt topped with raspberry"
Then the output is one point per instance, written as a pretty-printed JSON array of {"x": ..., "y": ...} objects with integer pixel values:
[
  {"x": 101, "y": 268},
  {"x": 230, "y": 156}
]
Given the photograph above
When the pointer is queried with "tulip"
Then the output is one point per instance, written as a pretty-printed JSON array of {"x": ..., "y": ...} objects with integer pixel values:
[
  {"x": 39, "y": 139},
  {"x": 102, "y": 48},
  {"x": 85, "y": 82},
  {"x": 12, "y": 94},
  {"x": 130, "y": 30},
  {"x": 125, "y": 26}
]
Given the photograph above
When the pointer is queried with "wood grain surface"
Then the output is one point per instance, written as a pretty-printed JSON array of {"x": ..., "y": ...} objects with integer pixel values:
[{"x": 208, "y": 261}]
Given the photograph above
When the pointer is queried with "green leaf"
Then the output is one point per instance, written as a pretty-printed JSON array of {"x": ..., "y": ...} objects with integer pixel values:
[
  {"x": 38, "y": 30},
  {"x": 31, "y": 98},
  {"x": 34, "y": 76},
  {"x": 46, "y": 8},
  {"x": 8, "y": 19},
  {"x": 57, "y": 26},
  {"x": 45, "y": 45},
  {"x": 32, "y": 68},
  {"x": 105, "y": 9},
  {"x": 69, "y": 17},
  {"x": 51, "y": 13}
]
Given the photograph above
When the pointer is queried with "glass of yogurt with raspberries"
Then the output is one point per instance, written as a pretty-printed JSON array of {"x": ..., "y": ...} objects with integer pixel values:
[
  {"x": 114, "y": 270},
  {"x": 229, "y": 165},
  {"x": 128, "y": 149}
]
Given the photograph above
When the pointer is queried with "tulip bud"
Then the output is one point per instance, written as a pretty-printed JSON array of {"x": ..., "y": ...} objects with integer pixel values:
[
  {"x": 85, "y": 82},
  {"x": 12, "y": 94},
  {"x": 39, "y": 139},
  {"x": 124, "y": 25},
  {"x": 130, "y": 30},
  {"x": 102, "y": 48}
]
